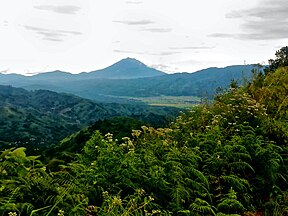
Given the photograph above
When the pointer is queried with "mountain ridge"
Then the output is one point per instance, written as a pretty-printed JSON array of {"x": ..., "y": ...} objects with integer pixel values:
[
  {"x": 125, "y": 68},
  {"x": 128, "y": 68},
  {"x": 107, "y": 85},
  {"x": 125, "y": 64}
]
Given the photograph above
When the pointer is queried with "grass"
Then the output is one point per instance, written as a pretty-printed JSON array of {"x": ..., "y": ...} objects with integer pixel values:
[{"x": 171, "y": 101}]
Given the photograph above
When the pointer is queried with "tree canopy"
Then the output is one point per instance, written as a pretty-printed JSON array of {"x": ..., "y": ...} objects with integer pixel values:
[{"x": 281, "y": 59}]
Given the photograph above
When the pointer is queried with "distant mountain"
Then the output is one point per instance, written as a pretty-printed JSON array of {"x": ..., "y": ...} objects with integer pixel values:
[
  {"x": 7, "y": 79},
  {"x": 39, "y": 118},
  {"x": 52, "y": 75},
  {"x": 126, "y": 78},
  {"x": 201, "y": 84},
  {"x": 128, "y": 68}
]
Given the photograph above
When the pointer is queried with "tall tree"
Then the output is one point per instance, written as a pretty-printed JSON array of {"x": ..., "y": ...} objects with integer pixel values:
[{"x": 280, "y": 61}]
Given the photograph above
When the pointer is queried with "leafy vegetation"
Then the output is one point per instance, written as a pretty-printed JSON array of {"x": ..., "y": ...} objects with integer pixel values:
[
  {"x": 228, "y": 157},
  {"x": 71, "y": 145},
  {"x": 37, "y": 119}
]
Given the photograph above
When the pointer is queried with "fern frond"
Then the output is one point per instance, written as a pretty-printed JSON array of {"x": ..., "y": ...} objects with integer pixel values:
[
  {"x": 202, "y": 207},
  {"x": 236, "y": 182}
]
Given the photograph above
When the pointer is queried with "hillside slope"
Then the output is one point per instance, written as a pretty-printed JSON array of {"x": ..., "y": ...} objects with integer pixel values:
[
  {"x": 42, "y": 117},
  {"x": 228, "y": 157}
]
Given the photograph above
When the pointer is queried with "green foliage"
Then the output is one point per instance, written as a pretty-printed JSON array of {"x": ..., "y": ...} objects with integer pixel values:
[
  {"x": 230, "y": 205},
  {"x": 281, "y": 60},
  {"x": 224, "y": 158},
  {"x": 118, "y": 126},
  {"x": 38, "y": 119},
  {"x": 200, "y": 207}
]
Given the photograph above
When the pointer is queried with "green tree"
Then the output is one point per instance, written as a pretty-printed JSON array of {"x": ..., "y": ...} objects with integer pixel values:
[{"x": 281, "y": 60}]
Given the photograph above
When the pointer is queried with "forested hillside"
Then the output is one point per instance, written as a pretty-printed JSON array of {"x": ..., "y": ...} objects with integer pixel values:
[
  {"x": 37, "y": 119},
  {"x": 228, "y": 157}
]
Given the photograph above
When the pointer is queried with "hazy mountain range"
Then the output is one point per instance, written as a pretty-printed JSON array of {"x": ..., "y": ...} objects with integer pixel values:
[
  {"x": 128, "y": 68},
  {"x": 131, "y": 78}
]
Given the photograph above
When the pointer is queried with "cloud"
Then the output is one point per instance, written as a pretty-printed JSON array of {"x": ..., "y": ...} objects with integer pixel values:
[
  {"x": 160, "y": 67},
  {"x": 234, "y": 14},
  {"x": 52, "y": 34},
  {"x": 52, "y": 30},
  {"x": 139, "y": 22},
  {"x": 5, "y": 23},
  {"x": 191, "y": 48},
  {"x": 53, "y": 39},
  {"x": 267, "y": 21},
  {"x": 64, "y": 9},
  {"x": 165, "y": 53},
  {"x": 4, "y": 71},
  {"x": 128, "y": 52},
  {"x": 133, "y": 2},
  {"x": 157, "y": 30},
  {"x": 32, "y": 73},
  {"x": 49, "y": 34},
  {"x": 271, "y": 31},
  {"x": 221, "y": 35},
  {"x": 189, "y": 62}
]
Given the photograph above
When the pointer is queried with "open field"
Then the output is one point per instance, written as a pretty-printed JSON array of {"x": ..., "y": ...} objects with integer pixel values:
[{"x": 172, "y": 101}]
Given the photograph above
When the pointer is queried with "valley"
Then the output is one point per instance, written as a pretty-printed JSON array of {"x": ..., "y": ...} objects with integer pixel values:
[
  {"x": 164, "y": 147},
  {"x": 183, "y": 102},
  {"x": 37, "y": 119}
]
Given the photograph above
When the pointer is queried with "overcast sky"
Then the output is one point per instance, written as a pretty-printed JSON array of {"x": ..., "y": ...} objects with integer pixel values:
[{"x": 170, "y": 35}]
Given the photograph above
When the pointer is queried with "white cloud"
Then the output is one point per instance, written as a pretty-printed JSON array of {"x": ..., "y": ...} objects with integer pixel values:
[
  {"x": 134, "y": 2},
  {"x": 192, "y": 48},
  {"x": 85, "y": 35},
  {"x": 52, "y": 34},
  {"x": 267, "y": 21},
  {"x": 63, "y": 9},
  {"x": 132, "y": 22},
  {"x": 157, "y": 30}
]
